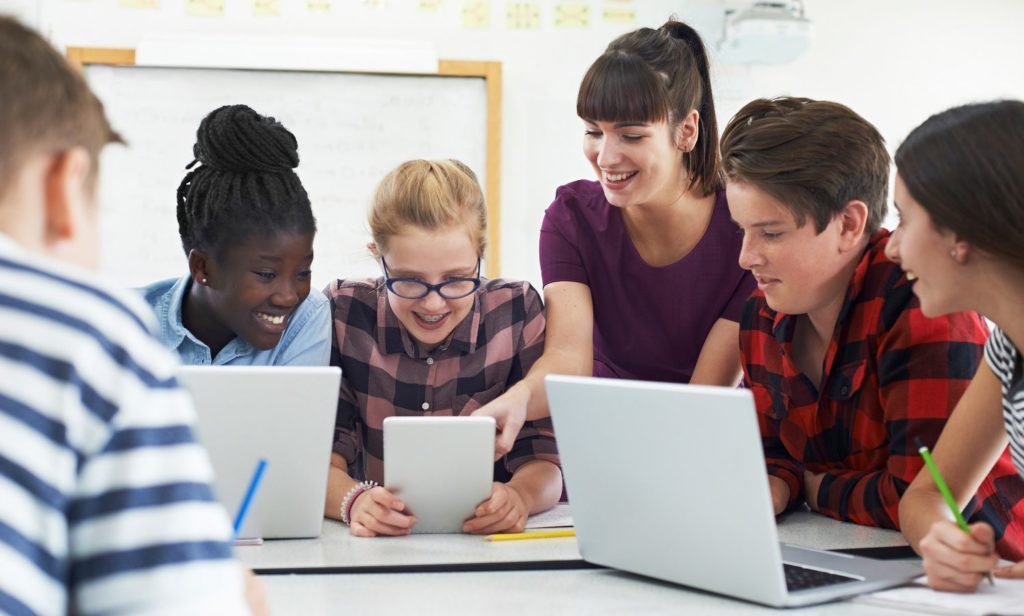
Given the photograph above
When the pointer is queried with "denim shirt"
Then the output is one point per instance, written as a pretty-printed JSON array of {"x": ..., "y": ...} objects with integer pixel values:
[{"x": 305, "y": 342}]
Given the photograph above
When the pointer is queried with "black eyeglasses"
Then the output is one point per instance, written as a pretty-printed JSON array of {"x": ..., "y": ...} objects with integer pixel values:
[{"x": 411, "y": 288}]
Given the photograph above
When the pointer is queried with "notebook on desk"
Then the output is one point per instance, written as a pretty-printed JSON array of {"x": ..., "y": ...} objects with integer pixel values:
[
  {"x": 284, "y": 414},
  {"x": 685, "y": 496}
]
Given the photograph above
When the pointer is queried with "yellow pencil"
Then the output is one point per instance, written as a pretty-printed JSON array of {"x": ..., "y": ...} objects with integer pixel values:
[{"x": 544, "y": 534}]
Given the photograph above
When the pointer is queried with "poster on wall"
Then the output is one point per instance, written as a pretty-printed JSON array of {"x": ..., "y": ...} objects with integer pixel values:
[
  {"x": 572, "y": 15},
  {"x": 522, "y": 16}
]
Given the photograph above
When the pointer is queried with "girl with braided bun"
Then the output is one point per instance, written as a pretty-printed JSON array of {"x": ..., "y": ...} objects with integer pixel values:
[{"x": 247, "y": 229}]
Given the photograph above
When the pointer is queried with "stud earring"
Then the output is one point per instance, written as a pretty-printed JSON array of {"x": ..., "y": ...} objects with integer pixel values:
[
  {"x": 954, "y": 253},
  {"x": 202, "y": 280}
]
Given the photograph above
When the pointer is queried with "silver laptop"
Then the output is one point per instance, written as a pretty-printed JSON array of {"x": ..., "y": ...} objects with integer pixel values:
[
  {"x": 669, "y": 481},
  {"x": 441, "y": 467},
  {"x": 283, "y": 414}
]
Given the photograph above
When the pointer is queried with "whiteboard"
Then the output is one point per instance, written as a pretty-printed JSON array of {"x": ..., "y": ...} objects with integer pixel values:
[{"x": 351, "y": 129}]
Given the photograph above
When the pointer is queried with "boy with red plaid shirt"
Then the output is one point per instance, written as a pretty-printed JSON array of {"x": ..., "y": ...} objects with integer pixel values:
[{"x": 845, "y": 369}]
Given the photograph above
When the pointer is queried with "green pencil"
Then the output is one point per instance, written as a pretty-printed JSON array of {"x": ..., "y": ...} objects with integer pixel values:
[{"x": 946, "y": 494}]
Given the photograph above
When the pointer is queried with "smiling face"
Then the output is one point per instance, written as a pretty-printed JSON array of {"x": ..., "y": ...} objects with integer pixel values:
[
  {"x": 799, "y": 270},
  {"x": 258, "y": 283},
  {"x": 432, "y": 256},
  {"x": 926, "y": 254},
  {"x": 637, "y": 163}
]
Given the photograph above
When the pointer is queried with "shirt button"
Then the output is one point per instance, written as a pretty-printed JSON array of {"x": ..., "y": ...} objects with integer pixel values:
[
  {"x": 425, "y": 406},
  {"x": 430, "y": 361}
]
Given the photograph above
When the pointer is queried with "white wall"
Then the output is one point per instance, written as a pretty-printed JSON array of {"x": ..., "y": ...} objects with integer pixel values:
[{"x": 895, "y": 62}]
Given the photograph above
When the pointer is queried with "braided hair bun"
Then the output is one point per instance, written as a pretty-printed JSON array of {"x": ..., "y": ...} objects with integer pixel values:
[
  {"x": 242, "y": 182},
  {"x": 236, "y": 138}
]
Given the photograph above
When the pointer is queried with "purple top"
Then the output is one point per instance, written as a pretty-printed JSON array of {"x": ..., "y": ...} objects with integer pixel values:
[{"x": 649, "y": 322}]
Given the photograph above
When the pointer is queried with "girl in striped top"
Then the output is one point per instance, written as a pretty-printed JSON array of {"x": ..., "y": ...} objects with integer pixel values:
[{"x": 960, "y": 195}]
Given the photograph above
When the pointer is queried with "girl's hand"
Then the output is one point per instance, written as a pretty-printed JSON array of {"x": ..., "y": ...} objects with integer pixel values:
[
  {"x": 957, "y": 561},
  {"x": 379, "y": 512},
  {"x": 1016, "y": 570},
  {"x": 504, "y": 512}
]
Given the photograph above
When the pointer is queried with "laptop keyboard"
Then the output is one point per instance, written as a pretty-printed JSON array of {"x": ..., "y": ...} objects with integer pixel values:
[{"x": 800, "y": 578}]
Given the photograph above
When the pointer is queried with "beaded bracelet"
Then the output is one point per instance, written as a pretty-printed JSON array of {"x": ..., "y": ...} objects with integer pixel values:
[{"x": 351, "y": 496}]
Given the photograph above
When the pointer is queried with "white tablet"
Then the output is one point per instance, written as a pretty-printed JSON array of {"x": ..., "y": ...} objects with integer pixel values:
[{"x": 441, "y": 467}]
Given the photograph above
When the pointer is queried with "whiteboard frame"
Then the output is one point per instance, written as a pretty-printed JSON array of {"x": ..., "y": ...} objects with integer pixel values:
[{"x": 489, "y": 71}]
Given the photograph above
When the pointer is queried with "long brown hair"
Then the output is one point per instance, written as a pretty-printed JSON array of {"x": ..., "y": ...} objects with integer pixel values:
[
  {"x": 658, "y": 75},
  {"x": 965, "y": 166}
]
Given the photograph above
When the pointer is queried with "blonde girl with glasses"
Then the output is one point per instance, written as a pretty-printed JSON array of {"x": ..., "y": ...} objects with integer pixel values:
[{"x": 431, "y": 337}]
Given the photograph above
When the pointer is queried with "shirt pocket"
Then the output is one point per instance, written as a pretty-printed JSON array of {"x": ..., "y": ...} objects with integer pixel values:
[
  {"x": 863, "y": 418},
  {"x": 844, "y": 384},
  {"x": 467, "y": 403}
]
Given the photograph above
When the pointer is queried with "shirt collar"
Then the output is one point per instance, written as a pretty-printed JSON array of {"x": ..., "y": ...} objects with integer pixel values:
[
  {"x": 174, "y": 328},
  {"x": 393, "y": 337},
  {"x": 784, "y": 325},
  {"x": 171, "y": 322}
]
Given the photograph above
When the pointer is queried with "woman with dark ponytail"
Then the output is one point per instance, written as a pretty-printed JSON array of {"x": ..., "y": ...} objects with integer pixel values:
[
  {"x": 960, "y": 194},
  {"x": 640, "y": 269},
  {"x": 247, "y": 229}
]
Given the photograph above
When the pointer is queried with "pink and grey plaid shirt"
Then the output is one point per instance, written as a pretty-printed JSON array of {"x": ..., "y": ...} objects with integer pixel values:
[{"x": 385, "y": 373}]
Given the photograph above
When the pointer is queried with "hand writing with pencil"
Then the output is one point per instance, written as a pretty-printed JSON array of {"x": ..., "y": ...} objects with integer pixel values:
[{"x": 957, "y": 561}]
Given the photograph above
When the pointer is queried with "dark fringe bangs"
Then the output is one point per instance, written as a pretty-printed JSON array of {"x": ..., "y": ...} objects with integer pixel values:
[{"x": 620, "y": 87}]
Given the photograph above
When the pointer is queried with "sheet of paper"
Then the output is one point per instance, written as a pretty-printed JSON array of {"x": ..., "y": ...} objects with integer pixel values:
[
  {"x": 1006, "y": 597},
  {"x": 557, "y": 517},
  {"x": 476, "y": 14},
  {"x": 522, "y": 16},
  {"x": 572, "y": 15},
  {"x": 140, "y": 4},
  {"x": 266, "y": 8},
  {"x": 204, "y": 8}
]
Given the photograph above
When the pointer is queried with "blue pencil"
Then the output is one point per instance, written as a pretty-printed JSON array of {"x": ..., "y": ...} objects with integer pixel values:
[{"x": 253, "y": 484}]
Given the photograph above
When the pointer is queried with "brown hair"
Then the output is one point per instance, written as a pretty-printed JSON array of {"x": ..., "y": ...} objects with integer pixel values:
[
  {"x": 430, "y": 194},
  {"x": 45, "y": 104},
  {"x": 813, "y": 156},
  {"x": 653, "y": 76},
  {"x": 964, "y": 166}
]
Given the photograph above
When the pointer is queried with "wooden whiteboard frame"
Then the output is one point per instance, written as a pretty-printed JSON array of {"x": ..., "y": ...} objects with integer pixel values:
[{"x": 490, "y": 72}]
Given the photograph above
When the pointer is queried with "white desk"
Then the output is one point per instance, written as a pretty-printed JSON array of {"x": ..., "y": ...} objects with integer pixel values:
[
  {"x": 499, "y": 593},
  {"x": 336, "y": 548},
  {"x": 585, "y": 592}
]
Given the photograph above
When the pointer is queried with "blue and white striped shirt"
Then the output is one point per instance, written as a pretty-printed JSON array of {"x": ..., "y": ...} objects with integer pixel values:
[
  {"x": 1005, "y": 361},
  {"x": 105, "y": 499}
]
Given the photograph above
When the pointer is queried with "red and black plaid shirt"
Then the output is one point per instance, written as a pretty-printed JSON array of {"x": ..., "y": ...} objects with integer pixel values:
[{"x": 890, "y": 374}]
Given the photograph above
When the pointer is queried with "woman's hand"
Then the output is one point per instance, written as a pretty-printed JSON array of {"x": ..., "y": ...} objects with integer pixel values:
[
  {"x": 957, "y": 561},
  {"x": 504, "y": 512},
  {"x": 379, "y": 512},
  {"x": 509, "y": 413}
]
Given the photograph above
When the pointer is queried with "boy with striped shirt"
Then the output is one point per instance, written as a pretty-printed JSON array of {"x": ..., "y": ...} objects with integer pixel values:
[{"x": 106, "y": 499}]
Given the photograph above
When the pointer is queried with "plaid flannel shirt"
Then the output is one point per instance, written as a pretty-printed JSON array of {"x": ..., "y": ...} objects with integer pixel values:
[
  {"x": 385, "y": 373},
  {"x": 890, "y": 374}
]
